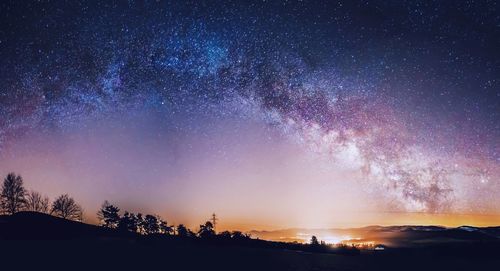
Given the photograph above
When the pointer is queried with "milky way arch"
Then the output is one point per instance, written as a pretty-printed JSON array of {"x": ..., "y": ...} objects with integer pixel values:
[{"x": 320, "y": 87}]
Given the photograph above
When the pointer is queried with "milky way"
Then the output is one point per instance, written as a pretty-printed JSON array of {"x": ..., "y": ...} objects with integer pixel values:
[{"x": 405, "y": 94}]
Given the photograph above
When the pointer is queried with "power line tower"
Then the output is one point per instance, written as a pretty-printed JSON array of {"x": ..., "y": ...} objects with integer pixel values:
[{"x": 214, "y": 221}]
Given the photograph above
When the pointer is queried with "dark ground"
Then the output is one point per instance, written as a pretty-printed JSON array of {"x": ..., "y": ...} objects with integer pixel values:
[
  {"x": 115, "y": 255},
  {"x": 93, "y": 248}
]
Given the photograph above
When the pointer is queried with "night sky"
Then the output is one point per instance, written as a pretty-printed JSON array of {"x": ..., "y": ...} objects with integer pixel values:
[{"x": 271, "y": 114}]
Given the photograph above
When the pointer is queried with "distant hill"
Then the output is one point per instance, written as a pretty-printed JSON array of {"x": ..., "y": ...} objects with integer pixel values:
[{"x": 399, "y": 236}]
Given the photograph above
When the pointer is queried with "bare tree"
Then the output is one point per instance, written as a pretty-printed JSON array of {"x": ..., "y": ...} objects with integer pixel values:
[
  {"x": 12, "y": 197},
  {"x": 66, "y": 207},
  {"x": 36, "y": 202}
]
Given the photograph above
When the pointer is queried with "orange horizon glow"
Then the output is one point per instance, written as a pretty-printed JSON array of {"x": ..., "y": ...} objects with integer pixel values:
[
  {"x": 388, "y": 219},
  {"x": 391, "y": 219}
]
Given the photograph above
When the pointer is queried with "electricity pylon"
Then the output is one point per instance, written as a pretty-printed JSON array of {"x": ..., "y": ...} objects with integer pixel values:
[{"x": 214, "y": 221}]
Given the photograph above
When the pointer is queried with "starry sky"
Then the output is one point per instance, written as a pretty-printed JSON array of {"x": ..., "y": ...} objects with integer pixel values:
[{"x": 272, "y": 114}]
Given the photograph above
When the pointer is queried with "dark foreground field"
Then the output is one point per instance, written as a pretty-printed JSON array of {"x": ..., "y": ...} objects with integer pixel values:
[
  {"x": 116, "y": 255},
  {"x": 94, "y": 248}
]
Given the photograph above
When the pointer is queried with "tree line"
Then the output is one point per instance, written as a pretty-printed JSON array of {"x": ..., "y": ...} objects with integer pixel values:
[
  {"x": 14, "y": 197},
  {"x": 109, "y": 217}
]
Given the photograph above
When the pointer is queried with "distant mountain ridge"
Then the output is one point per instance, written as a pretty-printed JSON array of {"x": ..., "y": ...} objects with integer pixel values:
[{"x": 405, "y": 235}]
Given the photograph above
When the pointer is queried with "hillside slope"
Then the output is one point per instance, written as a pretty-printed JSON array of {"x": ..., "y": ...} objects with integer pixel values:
[{"x": 38, "y": 226}]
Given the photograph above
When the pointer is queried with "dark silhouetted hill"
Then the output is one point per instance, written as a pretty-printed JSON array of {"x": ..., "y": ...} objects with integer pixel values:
[{"x": 39, "y": 226}]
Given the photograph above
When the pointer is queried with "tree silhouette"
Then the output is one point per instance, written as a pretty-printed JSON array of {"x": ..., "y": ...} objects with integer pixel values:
[
  {"x": 238, "y": 235},
  {"x": 12, "y": 198},
  {"x": 35, "y": 202},
  {"x": 164, "y": 227},
  {"x": 206, "y": 230},
  {"x": 128, "y": 222},
  {"x": 224, "y": 235},
  {"x": 141, "y": 224},
  {"x": 66, "y": 207},
  {"x": 109, "y": 215},
  {"x": 151, "y": 225},
  {"x": 314, "y": 241},
  {"x": 182, "y": 231}
]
